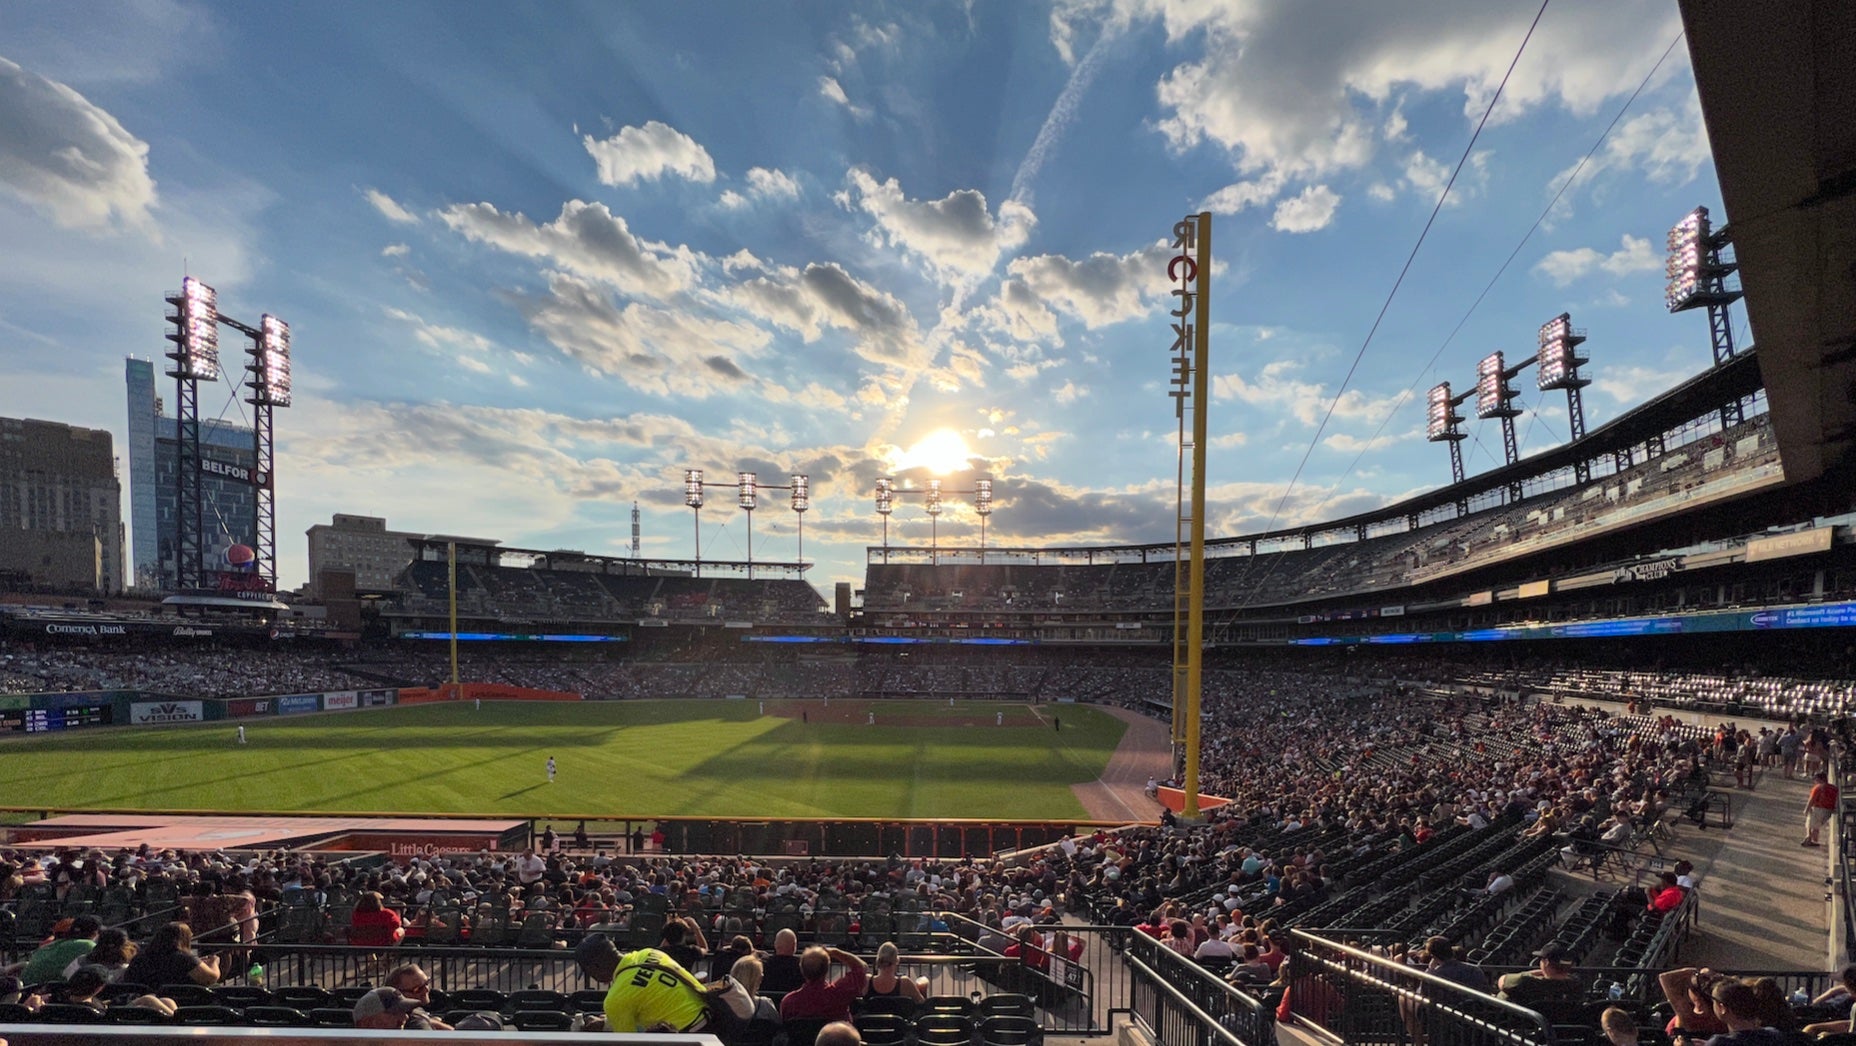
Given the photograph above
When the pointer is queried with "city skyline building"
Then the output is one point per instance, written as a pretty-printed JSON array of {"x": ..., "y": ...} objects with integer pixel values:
[
  {"x": 60, "y": 505},
  {"x": 229, "y": 460}
]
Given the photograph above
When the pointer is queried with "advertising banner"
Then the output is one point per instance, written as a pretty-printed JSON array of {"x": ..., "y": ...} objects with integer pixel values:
[
  {"x": 376, "y": 698},
  {"x": 296, "y": 704},
  {"x": 340, "y": 700},
  {"x": 239, "y": 708},
  {"x": 145, "y": 712}
]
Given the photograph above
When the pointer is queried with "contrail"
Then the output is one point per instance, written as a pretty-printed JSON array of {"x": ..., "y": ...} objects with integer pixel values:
[{"x": 1062, "y": 113}]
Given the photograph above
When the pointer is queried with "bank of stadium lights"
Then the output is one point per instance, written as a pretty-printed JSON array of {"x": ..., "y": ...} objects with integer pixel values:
[
  {"x": 1697, "y": 275},
  {"x": 1440, "y": 426},
  {"x": 748, "y": 489},
  {"x": 692, "y": 497},
  {"x": 887, "y": 492},
  {"x": 195, "y": 336},
  {"x": 270, "y": 363},
  {"x": 1557, "y": 367},
  {"x": 1495, "y": 399}
]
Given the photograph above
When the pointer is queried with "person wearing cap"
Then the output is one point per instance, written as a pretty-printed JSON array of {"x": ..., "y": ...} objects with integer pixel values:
[
  {"x": 649, "y": 993},
  {"x": 48, "y": 963},
  {"x": 1552, "y": 985},
  {"x": 385, "y": 1008}
]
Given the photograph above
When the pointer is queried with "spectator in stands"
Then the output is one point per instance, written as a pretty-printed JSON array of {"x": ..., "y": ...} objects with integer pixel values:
[
  {"x": 782, "y": 967},
  {"x": 1619, "y": 1026},
  {"x": 375, "y": 925},
  {"x": 1442, "y": 962},
  {"x": 385, "y": 1009},
  {"x": 1667, "y": 895},
  {"x": 886, "y": 982},
  {"x": 1690, "y": 994},
  {"x": 49, "y": 961},
  {"x": 748, "y": 972},
  {"x": 822, "y": 999},
  {"x": 81, "y": 989},
  {"x": 109, "y": 958},
  {"x": 1551, "y": 986},
  {"x": 1739, "y": 1009},
  {"x": 169, "y": 958},
  {"x": 412, "y": 982},
  {"x": 839, "y": 1033},
  {"x": 1819, "y": 806},
  {"x": 683, "y": 941},
  {"x": 649, "y": 993}
]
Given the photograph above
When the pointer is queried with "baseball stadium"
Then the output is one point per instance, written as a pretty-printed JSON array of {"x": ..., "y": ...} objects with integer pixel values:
[{"x": 1552, "y": 755}]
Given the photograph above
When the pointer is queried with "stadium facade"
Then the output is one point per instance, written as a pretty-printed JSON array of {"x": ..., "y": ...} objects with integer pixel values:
[
  {"x": 60, "y": 506},
  {"x": 229, "y": 495}
]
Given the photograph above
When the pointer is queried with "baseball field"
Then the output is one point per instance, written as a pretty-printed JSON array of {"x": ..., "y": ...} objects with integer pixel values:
[{"x": 739, "y": 758}]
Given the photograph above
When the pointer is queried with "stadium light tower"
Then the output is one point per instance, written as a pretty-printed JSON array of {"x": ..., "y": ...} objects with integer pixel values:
[
  {"x": 269, "y": 385},
  {"x": 196, "y": 359},
  {"x": 933, "y": 501},
  {"x": 801, "y": 490},
  {"x": 1698, "y": 278},
  {"x": 692, "y": 496},
  {"x": 1494, "y": 399},
  {"x": 934, "y": 520},
  {"x": 1557, "y": 367},
  {"x": 1440, "y": 426},
  {"x": 747, "y": 495},
  {"x": 885, "y": 503}
]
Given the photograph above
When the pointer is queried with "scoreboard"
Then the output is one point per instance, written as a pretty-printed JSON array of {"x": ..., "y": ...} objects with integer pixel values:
[{"x": 42, "y": 720}]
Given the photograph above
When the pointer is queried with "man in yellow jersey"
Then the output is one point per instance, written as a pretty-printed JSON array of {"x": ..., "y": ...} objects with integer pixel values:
[{"x": 650, "y": 992}]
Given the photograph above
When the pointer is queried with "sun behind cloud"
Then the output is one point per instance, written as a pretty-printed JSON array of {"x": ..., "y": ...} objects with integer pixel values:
[{"x": 940, "y": 452}]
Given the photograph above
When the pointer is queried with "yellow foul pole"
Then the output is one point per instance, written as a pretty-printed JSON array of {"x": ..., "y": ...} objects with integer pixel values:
[
  {"x": 1195, "y": 626},
  {"x": 451, "y": 557}
]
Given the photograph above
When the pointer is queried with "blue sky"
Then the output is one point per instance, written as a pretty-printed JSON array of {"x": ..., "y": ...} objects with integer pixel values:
[{"x": 540, "y": 258}]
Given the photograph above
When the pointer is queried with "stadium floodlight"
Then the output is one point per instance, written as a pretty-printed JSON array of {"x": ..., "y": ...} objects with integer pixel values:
[
  {"x": 982, "y": 497},
  {"x": 1685, "y": 267},
  {"x": 1491, "y": 386},
  {"x": 802, "y": 492},
  {"x": 747, "y": 491},
  {"x": 1438, "y": 421},
  {"x": 934, "y": 497},
  {"x": 196, "y": 333},
  {"x": 692, "y": 488},
  {"x": 270, "y": 377},
  {"x": 885, "y": 495},
  {"x": 1557, "y": 366}
]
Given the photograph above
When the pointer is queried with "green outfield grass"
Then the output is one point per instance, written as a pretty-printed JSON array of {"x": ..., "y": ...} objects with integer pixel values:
[{"x": 716, "y": 758}]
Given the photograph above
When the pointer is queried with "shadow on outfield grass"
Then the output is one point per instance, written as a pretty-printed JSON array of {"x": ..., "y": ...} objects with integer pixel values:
[{"x": 521, "y": 791}]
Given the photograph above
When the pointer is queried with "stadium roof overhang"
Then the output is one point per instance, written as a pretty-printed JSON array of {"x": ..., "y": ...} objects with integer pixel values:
[{"x": 1778, "y": 92}]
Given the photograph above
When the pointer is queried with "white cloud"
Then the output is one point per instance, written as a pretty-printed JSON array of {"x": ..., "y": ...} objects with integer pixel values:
[
  {"x": 1309, "y": 211},
  {"x": 66, "y": 156},
  {"x": 1067, "y": 393},
  {"x": 772, "y": 183},
  {"x": 763, "y": 184},
  {"x": 390, "y": 208},
  {"x": 1098, "y": 290},
  {"x": 1634, "y": 256},
  {"x": 829, "y": 87},
  {"x": 1308, "y": 97},
  {"x": 1667, "y": 146},
  {"x": 656, "y": 351},
  {"x": 586, "y": 239},
  {"x": 1275, "y": 386},
  {"x": 395, "y": 250},
  {"x": 1241, "y": 195},
  {"x": 825, "y": 296},
  {"x": 958, "y": 237},
  {"x": 648, "y": 153}
]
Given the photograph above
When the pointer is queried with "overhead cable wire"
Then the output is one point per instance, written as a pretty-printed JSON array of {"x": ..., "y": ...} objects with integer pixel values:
[
  {"x": 1461, "y": 162},
  {"x": 1502, "y": 270}
]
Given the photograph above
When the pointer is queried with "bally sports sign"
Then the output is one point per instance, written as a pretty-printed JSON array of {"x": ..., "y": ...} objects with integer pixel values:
[{"x": 145, "y": 712}]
